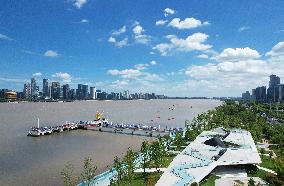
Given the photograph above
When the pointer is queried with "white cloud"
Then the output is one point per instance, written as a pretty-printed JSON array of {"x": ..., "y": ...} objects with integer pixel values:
[
  {"x": 187, "y": 23},
  {"x": 203, "y": 56},
  {"x": 126, "y": 73},
  {"x": 119, "y": 31},
  {"x": 84, "y": 21},
  {"x": 65, "y": 77},
  {"x": 111, "y": 39},
  {"x": 139, "y": 37},
  {"x": 161, "y": 22},
  {"x": 5, "y": 37},
  {"x": 191, "y": 43},
  {"x": 50, "y": 53},
  {"x": 243, "y": 28},
  {"x": 168, "y": 11},
  {"x": 138, "y": 29},
  {"x": 153, "y": 62},
  {"x": 137, "y": 73},
  {"x": 122, "y": 43},
  {"x": 277, "y": 51},
  {"x": 37, "y": 74},
  {"x": 79, "y": 3},
  {"x": 230, "y": 54},
  {"x": 143, "y": 38}
]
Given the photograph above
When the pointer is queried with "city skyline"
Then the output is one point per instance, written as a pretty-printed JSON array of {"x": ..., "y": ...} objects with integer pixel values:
[{"x": 177, "y": 48}]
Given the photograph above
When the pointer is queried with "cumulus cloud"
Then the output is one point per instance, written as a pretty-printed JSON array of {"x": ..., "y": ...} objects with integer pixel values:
[
  {"x": 153, "y": 63},
  {"x": 111, "y": 39},
  {"x": 168, "y": 11},
  {"x": 203, "y": 56},
  {"x": 139, "y": 35},
  {"x": 191, "y": 43},
  {"x": 137, "y": 73},
  {"x": 277, "y": 51},
  {"x": 79, "y": 3},
  {"x": 119, "y": 31},
  {"x": 161, "y": 22},
  {"x": 187, "y": 23},
  {"x": 138, "y": 29},
  {"x": 239, "y": 70},
  {"x": 65, "y": 77},
  {"x": 237, "y": 54},
  {"x": 51, "y": 53},
  {"x": 37, "y": 74},
  {"x": 122, "y": 43}
]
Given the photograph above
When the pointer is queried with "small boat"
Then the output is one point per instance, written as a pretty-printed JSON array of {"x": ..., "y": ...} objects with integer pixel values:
[{"x": 36, "y": 131}]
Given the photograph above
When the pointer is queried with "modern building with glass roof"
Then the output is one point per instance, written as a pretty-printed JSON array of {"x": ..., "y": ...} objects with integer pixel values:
[{"x": 209, "y": 150}]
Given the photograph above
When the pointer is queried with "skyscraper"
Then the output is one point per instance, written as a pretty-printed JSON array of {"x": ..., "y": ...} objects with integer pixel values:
[
  {"x": 34, "y": 89},
  {"x": 55, "y": 90},
  {"x": 66, "y": 89},
  {"x": 93, "y": 93},
  {"x": 27, "y": 91},
  {"x": 260, "y": 94},
  {"x": 45, "y": 91},
  {"x": 273, "y": 82},
  {"x": 82, "y": 92}
]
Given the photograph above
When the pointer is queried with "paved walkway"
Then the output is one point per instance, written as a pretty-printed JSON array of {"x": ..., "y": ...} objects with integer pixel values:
[
  {"x": 151, "y": 170},
  {"x": 267, "y": 170}
]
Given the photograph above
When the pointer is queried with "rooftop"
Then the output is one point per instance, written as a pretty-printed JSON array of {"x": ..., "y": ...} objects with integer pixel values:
[{"x": 197, "y": 160}]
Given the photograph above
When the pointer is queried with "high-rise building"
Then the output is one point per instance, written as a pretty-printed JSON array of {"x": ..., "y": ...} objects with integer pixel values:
[
  {"x": 279, "y": 93},
  {"x": 246, "y": 96},
  {"x": 27, "y": 91},
  {"x": 260, "y": 94},
  {"x": 55, "y": 90},
  {"x": 253, "y": 95},
  {"x": 82, "y": 92},
  {"x": 272, "y": 96},
  {"x": 45, "y": 88},
  {"x": 34, "y": 88},
  {"x": 66, "y": 89},
  {"x": 93, "y": 93}
]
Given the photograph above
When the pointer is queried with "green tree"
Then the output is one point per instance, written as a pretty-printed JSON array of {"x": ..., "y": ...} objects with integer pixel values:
[
  {"x": 251, "y": 182},
  {"x": 179, "y": 141},
  {"x": 67, "y": 175},
  {"x": 129, "y": 159},
  {"x": 145, "y": 154},
  {"x": 119, "y": 167},
  {"x": 89, "y": 171}
]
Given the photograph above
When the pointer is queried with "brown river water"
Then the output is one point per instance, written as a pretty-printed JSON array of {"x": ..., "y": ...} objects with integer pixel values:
[{"x": 39, "y": 161}]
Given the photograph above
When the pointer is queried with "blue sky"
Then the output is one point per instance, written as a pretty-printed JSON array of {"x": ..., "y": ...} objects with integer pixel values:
[{"x": 184, "y": 48}]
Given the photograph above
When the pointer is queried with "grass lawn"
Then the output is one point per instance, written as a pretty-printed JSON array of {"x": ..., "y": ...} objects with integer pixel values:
[
  {"x": 139, "y": 180},
  {"x": 168, "y": 158},
  {"x": 267, "y": 162},
  {"x": 209, "y": 181},
  {"x": 259, "y": 173}
]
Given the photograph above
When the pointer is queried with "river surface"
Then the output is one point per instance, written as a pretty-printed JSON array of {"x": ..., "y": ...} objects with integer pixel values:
[{"x": 39, "y": 161}]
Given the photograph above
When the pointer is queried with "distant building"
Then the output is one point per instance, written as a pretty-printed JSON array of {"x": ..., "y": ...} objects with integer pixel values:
[
  {"x": 27, "y": 91},
  {"x": 11, "y": 96},
  {"x": 65, "y": 91},
  {"x": 82, "y": 92},
  {"x": 34, "y": 88},
  {"x": 2, "y": 93},
  {"x": 279, "y": 93},
  {"x": 272, "y": 96},
  {"x": 246, "y": 96},
  {"x": 45, "y": 88},
  {"x": 55, "y": 90},
  {"x": 260, "y": 94},
  {"x": 253, "y": 97},
  {"x": 93, "y": 93}
]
